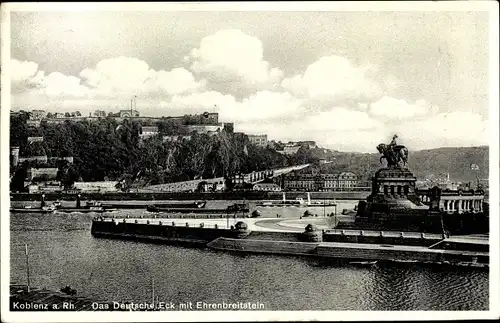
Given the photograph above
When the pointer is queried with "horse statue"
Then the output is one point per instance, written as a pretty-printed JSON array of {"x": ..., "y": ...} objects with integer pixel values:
[{"x": 393, "y": 154}]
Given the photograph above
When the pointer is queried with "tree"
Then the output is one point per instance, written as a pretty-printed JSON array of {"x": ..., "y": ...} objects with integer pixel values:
[
  {"x": 78, "y": 114},
  {"x": 105, "y": 148},
  {"x": 17, "y": 181},
  {"x": 67, "y": 115},
  {"x": 50, "y": 115}
]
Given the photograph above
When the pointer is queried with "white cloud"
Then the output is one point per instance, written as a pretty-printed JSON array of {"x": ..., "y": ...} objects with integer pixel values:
[
  {"x": 174, "y": 82},
  {"x": 198, "y": 103},
  {"x": 22, "y": 71},
  {"x": 26, "y": 78},
  {"x": 399, "y": 108},
  {"x": 266, "y": 105},
  {"x": 333, "y": 78},
  {"x": 262, "y": 106},
  {"x": 204, "y": 99},
  {"x": 117, "y": 74},
  {"x": 57, "y": 84},
  {"x": 230, "y": 56},
  {"x": 128, "y": 75}
]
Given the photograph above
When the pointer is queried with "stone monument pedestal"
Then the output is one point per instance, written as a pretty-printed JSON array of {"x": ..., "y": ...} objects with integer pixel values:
[{"x": 394, "y": 205}]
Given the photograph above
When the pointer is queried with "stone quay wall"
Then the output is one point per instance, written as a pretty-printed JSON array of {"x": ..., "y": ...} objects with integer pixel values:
[{"x": 283, "y": 243}]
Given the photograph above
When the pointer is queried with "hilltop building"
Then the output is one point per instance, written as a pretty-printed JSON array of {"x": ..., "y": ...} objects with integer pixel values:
[
  {"x": 289, "y": 150},
  {"x": 38, "y": 159},
  {"x": 176, "y": 138},
  {"x": 99, "y": 113},
  {"x": 14, "y": 156},
  {"x": 96, "y": 187},
  {"x": 147, "y": 132},
  {"x": 258, "y": 140},
  {"x": 41, "y": 173},
  {"x": 208, "y": 129},
  {"x": 33, "y": 123},
  {"x": 128, "y": 113},
  {"x": 37, "y": 114},
  {"x": 229, "y": 127},
  {"x": 209, "y": 118},
  {"x": 266, "y": 187}
]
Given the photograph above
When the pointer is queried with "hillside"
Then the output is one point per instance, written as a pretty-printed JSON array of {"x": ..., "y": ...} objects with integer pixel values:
[{"x": 424, "y": 163}]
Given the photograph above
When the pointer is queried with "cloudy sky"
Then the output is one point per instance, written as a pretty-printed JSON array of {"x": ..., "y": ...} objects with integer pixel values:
[{"x": 348, "y": 80}]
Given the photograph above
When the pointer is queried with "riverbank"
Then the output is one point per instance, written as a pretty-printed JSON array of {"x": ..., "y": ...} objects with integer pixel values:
[{"x": 150, "y": 196}]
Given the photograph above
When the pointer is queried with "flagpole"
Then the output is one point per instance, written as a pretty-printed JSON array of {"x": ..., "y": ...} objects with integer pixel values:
[{"x": 27, "y": 266}]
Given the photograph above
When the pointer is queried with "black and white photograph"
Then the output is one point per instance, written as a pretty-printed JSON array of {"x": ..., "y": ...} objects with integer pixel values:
[{"x": 267, "y": 161}]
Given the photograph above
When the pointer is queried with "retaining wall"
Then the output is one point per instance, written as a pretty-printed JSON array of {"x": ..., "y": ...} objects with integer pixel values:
[
  {"x": 391, "y": 240},
  {"x": 287, "y": 243}
]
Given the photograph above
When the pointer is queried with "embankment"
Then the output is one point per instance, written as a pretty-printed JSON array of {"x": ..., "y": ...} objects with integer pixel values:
[{"x": 312, "y": 243}]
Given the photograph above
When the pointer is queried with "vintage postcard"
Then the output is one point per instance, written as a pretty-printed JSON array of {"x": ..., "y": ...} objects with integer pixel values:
[{"x": 249, "y": 161}]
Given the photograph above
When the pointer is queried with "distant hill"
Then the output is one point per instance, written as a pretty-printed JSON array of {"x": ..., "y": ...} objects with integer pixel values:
[
  {"x": 455, "y": 161},
  {"x": 423, "y": 163}
]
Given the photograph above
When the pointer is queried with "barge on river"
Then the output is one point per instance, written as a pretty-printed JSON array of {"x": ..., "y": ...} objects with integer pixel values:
[
  {"x": 298, "y": 202},
  {"x": 234, "y": 208}
]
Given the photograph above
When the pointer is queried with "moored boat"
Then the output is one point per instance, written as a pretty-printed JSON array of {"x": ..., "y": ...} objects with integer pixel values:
[
  {"x": 238, "y": 207},
  {"x": 193, "y": 205},
  {"x": 91, "y": 206},
  {"x": 43, "y": 210},
  {"x": 298, "y": 202},
  {"x": 95, "y": 209},
  {"x": 363, "y": 263}
]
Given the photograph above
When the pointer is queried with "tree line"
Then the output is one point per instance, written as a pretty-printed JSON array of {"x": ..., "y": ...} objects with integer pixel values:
[{"x": 105, "y": 149}]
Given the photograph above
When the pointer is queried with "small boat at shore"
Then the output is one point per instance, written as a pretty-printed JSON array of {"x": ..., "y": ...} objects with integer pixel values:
[
  {"x": 42, "y": 210},
  {"x": 193, "y": 205},
  {"x": 234, "y": 208},
  {"x": 298, "y": 202},
  {"x": 363, "y": 263},
  {"x": 89, "y": 207},
  {"x": 96, "y": 209}
]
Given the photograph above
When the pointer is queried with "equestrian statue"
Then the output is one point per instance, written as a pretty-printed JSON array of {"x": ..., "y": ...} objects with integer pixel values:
[{"x": 393, "y": 153}]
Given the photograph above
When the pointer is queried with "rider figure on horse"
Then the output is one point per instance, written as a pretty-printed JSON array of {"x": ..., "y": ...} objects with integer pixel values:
[
  {"x": 393, "y": 143},
  {"x": 393, "y": 154}
]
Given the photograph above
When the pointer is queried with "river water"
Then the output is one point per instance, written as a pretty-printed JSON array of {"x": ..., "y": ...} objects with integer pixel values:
[{"x": 62, "y": 252}]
